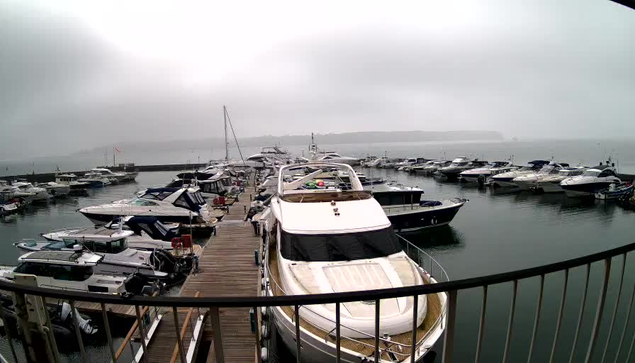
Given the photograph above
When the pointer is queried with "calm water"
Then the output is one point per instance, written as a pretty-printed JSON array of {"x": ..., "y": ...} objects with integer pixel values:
[{"x": 494, "y": 232}]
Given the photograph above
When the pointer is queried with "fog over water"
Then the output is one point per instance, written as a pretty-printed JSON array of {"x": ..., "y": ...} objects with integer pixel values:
[{"x": 78, "y": 75}]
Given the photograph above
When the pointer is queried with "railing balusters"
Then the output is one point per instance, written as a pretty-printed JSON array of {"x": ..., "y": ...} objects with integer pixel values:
[
  {"x": 560, "y": 312},
  {"x": 338, "y": 342},
  {"x": 630, "y": 350},
  {"x": 7, "y": 329},
  {"x": 142, "y": 331},
  {"x": 628, "y": 317},
  {"x": 537, "y": 318},
  {"x": 415, "y": 319},
  {"x": 78, "y": 332},
  {"x": 510, "y": 326},
  {"x": 481, "y": 326},
  {"x": 448, "y": 342},
  {"x": 600, "y": 310},
  {"x": 179, "y": 339},
  {"x": 111, "y": 347},
  {"x": 581, "y": 314},
  {"x": 617, "y": 305},
  {"x": 218, "y": 335},
  {"x": 377, "y": 312},
  {"x": 298, "y": 339}
]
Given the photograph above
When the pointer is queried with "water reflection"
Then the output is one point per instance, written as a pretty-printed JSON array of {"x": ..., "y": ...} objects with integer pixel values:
[{"x": 439, "y": 238}]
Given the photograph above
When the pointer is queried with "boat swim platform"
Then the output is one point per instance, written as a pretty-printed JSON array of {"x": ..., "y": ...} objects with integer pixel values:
[{"x": 226, "y": 268}]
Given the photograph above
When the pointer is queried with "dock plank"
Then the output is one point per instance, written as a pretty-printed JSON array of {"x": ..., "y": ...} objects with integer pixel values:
[{"x": 226, "y": 268}]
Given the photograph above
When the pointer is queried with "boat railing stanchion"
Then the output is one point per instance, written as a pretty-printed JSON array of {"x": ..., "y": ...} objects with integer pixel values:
[
  {"x": 481, "y": 325},
  {"x": 599, "y": 311},
  {"x": 617, "y": 305},
  {"x": 132, "y": 351},
  {"x": 415, "y": 319},
  {"x": 581, "y": 314},
  {"x": 142, "y": 331},
  {"x": 111, "y": 348},
  {"x": 536, "y": 318},
  {"x": 510, "y": 326},
  {"x": 338, "y": 343},
  {"x": 78, "y": 332},
  {"x": 560, "y": 313},
  {"x": 218, "y": 336},
  {"x": 626, "y": 320},
  {"x": 377, "y": 312},
  {"x": 179, "y": 340},
  {"x": 298, "y": 339},
  {"x": 448, "y": 342}
]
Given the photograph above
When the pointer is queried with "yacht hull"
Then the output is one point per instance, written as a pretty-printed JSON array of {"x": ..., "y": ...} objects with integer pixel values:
[
  {"x": 404, "y": 219},
  {"x": 584, "y": 190},
  {"x": 102, "y": 218},
  {"x": 548, "y": 187}
]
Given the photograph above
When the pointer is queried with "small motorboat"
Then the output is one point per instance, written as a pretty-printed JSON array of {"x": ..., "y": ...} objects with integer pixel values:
[
  {"x": 615, "y": 191},
  {"x": 591, "y": 181},
  {"x": 96, "y": 180},
  {"x": 74, "y": 270},
  {"x": 38, "y": 194},
  {"x": 71, "y": 181},
  {"x": 56, "y": 190}
]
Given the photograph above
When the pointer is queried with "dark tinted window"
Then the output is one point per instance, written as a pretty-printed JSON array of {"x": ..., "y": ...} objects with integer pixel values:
[
  {"x": 606, "y": 172},
  {"x": 339, "y": 247}
]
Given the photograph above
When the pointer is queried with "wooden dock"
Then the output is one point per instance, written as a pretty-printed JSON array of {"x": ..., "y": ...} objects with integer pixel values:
[{"x": 226, "y": 268}]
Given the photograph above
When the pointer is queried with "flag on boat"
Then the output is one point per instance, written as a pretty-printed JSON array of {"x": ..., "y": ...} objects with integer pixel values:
[{"x": 118, "y": 150}]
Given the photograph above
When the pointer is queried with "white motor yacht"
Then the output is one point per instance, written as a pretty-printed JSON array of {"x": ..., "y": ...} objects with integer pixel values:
[
  {"x": 493, "y": 168},
  {"x": 528, "y": 181},
  {"x": 96, "y": 180},
  {"x": 434, "y": 167},
  {"x": 551, "y": 183},
  {"x": 71, "y": 271},
  {"x": 171, "y": 205},
  {"x": 39, "y": 194},
  {"x": 71, "y": 181},
  {"x": 319, "y": 243},
  {"x": 141, "y": 233},
  {"x": 506, "y": 179},
  {"x": 591, "y": 181},
  {"x": 56, "y": 190},
  {"x": 9, "y": 192},
  {"x": 112, "y": 176},
  {"x": 332, "y": 157}
]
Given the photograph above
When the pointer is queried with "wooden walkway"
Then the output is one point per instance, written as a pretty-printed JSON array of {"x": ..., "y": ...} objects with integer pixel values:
[{"x": 227, "y": 268}]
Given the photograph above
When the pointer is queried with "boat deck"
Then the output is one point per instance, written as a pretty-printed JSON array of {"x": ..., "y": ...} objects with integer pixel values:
[
  {"x": 226, "y": 268},
  {"x": 365, "y": 346}
]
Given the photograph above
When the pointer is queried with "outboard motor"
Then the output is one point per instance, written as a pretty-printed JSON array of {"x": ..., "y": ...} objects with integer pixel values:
[
  {"x": 137, "y": 284},
  {"x": 85, "y": 324}
]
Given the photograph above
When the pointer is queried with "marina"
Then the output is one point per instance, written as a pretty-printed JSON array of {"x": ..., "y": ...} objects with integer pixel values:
[{"x": 227, "y": 259}]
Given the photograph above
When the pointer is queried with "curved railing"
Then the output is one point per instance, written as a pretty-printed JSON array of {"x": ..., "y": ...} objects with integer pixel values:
[{"x": 452, "y": 288}]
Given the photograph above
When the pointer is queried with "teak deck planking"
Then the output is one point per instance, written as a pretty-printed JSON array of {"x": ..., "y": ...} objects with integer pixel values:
[{"x": 226, "y": 268}]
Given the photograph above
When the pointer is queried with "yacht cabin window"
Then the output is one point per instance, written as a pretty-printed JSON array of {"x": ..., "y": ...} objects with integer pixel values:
[
  {"x": 339, "y": 247},
  {"x": 591, "y": 172},
  {"x": 606, "y": 172},
  {"x": 58, "y": 272}
]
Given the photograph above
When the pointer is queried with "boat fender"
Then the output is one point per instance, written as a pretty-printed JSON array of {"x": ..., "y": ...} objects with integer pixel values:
[
  {"x": 264, "y": 332},
  {"x": 263, "y": 312},
  {"x": 264, "y": 354}
]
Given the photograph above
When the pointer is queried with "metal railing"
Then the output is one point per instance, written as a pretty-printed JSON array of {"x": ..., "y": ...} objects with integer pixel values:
[{"x": 604, "y": 318}]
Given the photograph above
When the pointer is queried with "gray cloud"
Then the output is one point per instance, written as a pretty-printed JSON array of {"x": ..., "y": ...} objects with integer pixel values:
[{"x": 554, "y": 69}]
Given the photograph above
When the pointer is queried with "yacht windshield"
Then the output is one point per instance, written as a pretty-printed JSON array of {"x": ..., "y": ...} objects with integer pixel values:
[
  {"x": 591, "y": 172},
  {"x": 339, "y": 247}
]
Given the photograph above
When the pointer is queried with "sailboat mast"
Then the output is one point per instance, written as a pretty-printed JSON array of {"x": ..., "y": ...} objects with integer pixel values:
[{"x": 226, "y": 143}]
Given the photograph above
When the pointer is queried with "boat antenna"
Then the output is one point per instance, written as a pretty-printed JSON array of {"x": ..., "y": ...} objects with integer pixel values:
[
  {"x": 233, "y": 133},
  {"x": 226, "y": 143}
]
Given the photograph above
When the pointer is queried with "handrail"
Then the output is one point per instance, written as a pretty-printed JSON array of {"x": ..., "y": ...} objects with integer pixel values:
[{"x": 329, "y": 298}]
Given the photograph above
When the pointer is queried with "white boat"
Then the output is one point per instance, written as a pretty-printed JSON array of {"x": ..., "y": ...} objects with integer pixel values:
[
  {"x": 506, "y": 179},
  {"x": 528, "y": 181},
  {"x": 591, "y": 181},
  {"x": 332, "y": 240},
  {"x": 430, "y": 169},
  {"x": 110, "y": 175},
  {"x": 493, "y": 168},
  {"x": 39, "y": 194},
  {"x": 95, "y": 179},
  {"x": 318, "y": 155},
  {"x": 171, "y": 205},
  {"x": 56, "y": 190},
  {"x": 551, "y": 183},
  {"x": 141, "y": 233},
  {"x": 72, "y": 271},
  {"x": 9, "y": 192},
  {"x": 405, "y": 163},
  {"x": 71, "y": 181},
  {"x": 459, "y": 165},
  {"x": 119, "y": 258}
]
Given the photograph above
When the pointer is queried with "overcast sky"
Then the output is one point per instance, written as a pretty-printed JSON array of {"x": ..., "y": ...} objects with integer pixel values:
[{"x": 78, "y": 74}]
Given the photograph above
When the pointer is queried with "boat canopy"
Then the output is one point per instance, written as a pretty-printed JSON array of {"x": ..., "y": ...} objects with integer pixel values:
[
  {"x": 151, "y": 226},
  {"x": 339, "y": 247}
]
